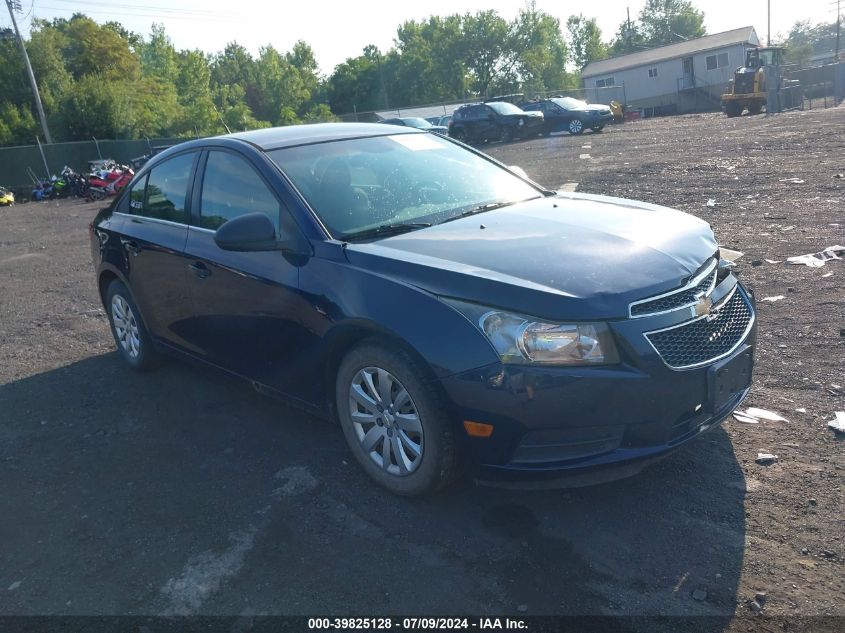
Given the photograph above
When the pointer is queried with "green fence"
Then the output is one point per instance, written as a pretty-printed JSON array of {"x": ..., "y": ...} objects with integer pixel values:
[{"x": 14, "y": 161}]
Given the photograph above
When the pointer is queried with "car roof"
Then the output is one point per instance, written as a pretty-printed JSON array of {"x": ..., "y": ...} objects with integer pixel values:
[{"x": 291, "y": 135}]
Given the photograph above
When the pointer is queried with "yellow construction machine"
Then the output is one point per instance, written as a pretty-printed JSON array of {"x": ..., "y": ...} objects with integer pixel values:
[{"x": 748, "y": 87}]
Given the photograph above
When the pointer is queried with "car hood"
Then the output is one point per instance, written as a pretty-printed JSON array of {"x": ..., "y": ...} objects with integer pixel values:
[{"x": 571, "y": 256}]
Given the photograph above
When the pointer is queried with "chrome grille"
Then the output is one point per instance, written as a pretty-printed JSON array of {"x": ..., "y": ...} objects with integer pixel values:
[
  {"x": 705, "y": 339},
  {"x": 687, "y": 296}
]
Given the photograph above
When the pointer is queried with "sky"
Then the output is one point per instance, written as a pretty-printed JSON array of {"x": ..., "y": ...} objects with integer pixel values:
[{"x": 338, "y": 30}]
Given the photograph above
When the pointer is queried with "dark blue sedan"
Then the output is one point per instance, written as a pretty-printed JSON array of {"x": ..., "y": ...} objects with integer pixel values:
[
  {"x": 565, "y": 114},
  {"x": 443, "y": 309}
]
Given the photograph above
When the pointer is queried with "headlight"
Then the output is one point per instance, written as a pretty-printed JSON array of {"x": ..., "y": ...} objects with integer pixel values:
[{"x": 522, "y": 339}]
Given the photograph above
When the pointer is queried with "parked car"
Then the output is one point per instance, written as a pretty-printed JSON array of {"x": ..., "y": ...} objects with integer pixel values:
[
  {"x": 571, "y": 115},
  {"x": 494, "y": 121},
  {"x": 441, "y": 308},
  {"x": 418, "y": 123},
  {"x": 440, "y": 120}
]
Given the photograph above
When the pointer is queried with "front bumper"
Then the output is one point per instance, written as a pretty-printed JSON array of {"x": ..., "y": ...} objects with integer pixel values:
[{"x": 556, "y": 426}]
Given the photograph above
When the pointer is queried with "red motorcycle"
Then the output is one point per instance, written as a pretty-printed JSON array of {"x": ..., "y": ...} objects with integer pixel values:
[{"x": 108, "y": 183}]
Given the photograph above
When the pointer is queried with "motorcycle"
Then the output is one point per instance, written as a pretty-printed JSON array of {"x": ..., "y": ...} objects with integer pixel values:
[{"x": 109, "y": 183}]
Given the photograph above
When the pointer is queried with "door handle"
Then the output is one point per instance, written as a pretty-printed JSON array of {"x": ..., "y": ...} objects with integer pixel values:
[
  {"x": 200, "y": 270},
  {"x": 131, "y": 246}
]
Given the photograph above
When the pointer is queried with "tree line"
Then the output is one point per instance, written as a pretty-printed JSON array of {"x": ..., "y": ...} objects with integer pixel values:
[{"x": 104, "y": 81}]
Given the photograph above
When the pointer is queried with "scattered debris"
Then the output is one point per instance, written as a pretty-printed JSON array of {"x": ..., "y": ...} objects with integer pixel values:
[
  {"x": 699, "y": 594},
  {"x": 794, "y": 181},
  {"x": 827, "y": 275},
  {"x": 760, "y": 597},
  {"x": 711, "y": 202},
  {"x": 755, "y": 606},
  {"x": 766, "y": 458},
  {"x": 816, "y": 260},
  {"x": 773, "y": 299},
  {"x": 839, "y": 175},
  {"x": 14, "y": 585},
  {"x": 801, "y": 410},
  {"x": 812, "y": 501},
  {"x": 729, "y": 254},
  {"x": 837, "y": 423},
  {"x": 787, "y": 228},
  {"x": 774, "y": 261},
  {"x": 756, "y": 262},
  {"x": 828, "y": 553},
  {"x": 745, "y": 419},
  {"x": 760, "y": 414}
]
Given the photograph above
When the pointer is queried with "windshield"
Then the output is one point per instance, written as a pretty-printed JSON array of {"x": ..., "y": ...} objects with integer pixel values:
[
  {"x": 569, "y": 103},
  {"x": 417, "y": 122},
  {"x": 503, "y": 107},
  {"x": 358, "y": 184}
]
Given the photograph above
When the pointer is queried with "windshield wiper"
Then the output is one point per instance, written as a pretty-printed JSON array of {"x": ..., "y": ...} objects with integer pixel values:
[
  {"x": 384, "y": 230},
  {"x": 481, "y": 208}
]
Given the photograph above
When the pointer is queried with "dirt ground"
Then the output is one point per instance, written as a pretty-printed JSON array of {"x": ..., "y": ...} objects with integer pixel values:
[{"x": 182, "y": 492}]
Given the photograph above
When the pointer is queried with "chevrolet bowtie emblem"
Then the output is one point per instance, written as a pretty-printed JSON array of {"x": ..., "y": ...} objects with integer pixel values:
[{"x": 703, "y": 306}]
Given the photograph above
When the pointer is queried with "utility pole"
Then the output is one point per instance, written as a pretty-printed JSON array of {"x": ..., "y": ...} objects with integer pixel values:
[
  {"x": 12, "y": 5},
  {"x": 838, "y": 20},
  {"x": 769, "y": 23}
]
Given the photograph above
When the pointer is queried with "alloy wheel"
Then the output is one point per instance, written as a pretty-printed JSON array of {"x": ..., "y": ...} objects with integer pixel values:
[
  {"x": 386, "y": 421},
  {"x": 125, "y": 326},
  {"x": 576, "y": 126}
]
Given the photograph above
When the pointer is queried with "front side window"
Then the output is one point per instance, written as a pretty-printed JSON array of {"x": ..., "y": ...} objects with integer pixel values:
[
  {"x": 166, "y": 190},
  {"x": 652, "y": 72},
  {"x": 503, "y": 107},
  {"x": 605, "y": 83},
  {"x": 356, "y": 185},
  {"x": 231, "y": 187},
  {"x": 716, "y": 61}
]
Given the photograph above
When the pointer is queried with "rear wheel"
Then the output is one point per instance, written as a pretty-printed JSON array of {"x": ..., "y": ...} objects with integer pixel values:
[
  {"x": 460, "y": 134},
  {"x": 130, "y": 334},
  {"x": 395, "y": 420},
  {"x": 576, "y": 126}
]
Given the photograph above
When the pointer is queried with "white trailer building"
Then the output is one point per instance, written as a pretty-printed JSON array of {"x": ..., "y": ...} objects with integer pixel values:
[{"x": 684, "y": 77}]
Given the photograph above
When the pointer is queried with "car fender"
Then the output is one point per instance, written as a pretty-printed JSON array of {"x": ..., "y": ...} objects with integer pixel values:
[{"x": 443, "y": 338}]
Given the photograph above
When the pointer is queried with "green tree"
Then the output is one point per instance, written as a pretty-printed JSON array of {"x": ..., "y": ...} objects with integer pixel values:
[
  {"x": 585, "y": 41},
  {"x": 538, "y": 52},
  {"x": 355, "y": 85},
  {"x": 668, "y": 21},
  {"x": 487, "y": 45},
  {"x": 158, "y": 56}
]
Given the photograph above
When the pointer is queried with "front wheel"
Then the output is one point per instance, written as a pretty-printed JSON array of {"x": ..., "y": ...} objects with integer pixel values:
[
  {"x": 576, "y": 126},
  {"x": 130, "y": 334},
  {"x": 395, "y": 420},
  {"x": 733, "y": 109}
]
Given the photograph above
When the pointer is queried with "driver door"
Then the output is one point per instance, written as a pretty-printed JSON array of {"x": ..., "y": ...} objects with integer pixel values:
[{"x": 246, "y": 304}]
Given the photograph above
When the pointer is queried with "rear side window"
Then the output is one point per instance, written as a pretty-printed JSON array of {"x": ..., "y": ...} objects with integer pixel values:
[
  {"x": 231, "y": 187},
  {"x": 166, "y": 190}
]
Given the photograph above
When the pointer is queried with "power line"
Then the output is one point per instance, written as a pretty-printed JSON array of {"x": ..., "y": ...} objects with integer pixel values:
[
  {"x": 152, "y": 15},
  {"x": 147, "y": 7}
]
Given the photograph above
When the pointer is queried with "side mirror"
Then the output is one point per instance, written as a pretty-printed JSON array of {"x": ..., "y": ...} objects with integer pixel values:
[{"x": 249, "y": 232}]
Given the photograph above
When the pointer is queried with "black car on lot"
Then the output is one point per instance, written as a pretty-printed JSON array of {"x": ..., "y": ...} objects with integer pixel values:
[
  {"x": 418, "y": 123},
  {"x": 441, "y": 308},
  {"x": 570, "y": 115},
  {"x": 493, "y": 121}
]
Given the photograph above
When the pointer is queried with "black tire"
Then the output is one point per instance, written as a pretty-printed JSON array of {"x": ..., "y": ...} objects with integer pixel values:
[
  {"x": 757, "y": 108},
  {"x": 597, "y": 128},
  {"x": 459, "y": 134},
  {"x": 146, "y": 357},
  {"x": 576, "y": 126},
  {"x": 437, "y": 463}
]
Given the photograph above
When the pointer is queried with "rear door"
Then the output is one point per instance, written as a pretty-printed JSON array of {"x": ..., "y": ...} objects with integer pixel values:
[
  {"x": 153, "y": 237},
  {"x": 246, "y": 304}
]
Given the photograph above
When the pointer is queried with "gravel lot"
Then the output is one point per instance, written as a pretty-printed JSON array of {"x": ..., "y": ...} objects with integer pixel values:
[{"x": 183, "y": 492}]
